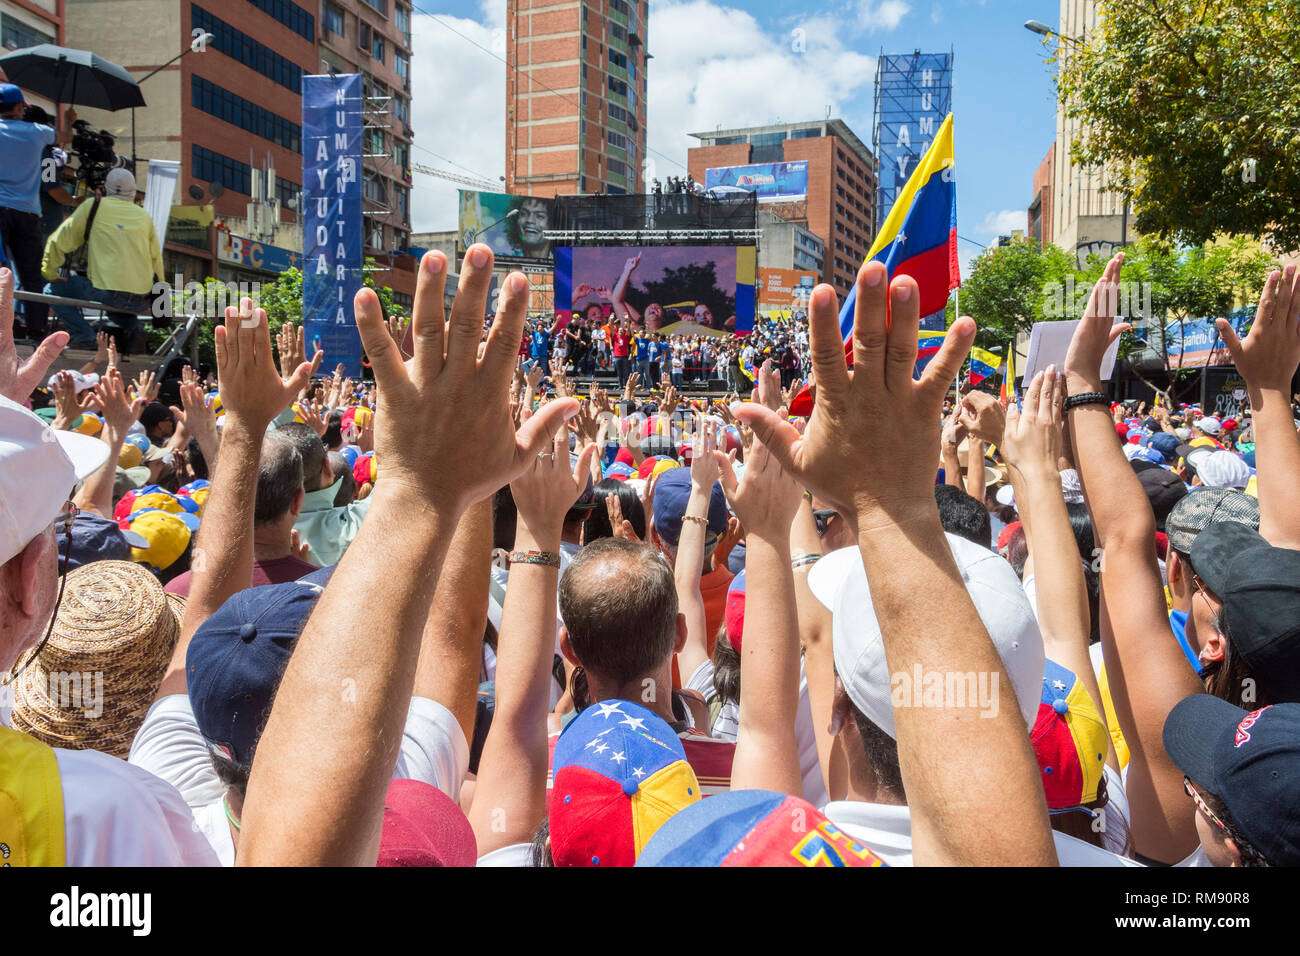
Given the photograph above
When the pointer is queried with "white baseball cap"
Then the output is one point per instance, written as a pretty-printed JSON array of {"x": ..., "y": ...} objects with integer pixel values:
[
  {"x": 1210, "y": 426},
  {"x": 1223, "y": 469},
  {"x": 39, "y": 468},
  {"x": 82, "y": 381},
  {"x": 839, "y": 581}
]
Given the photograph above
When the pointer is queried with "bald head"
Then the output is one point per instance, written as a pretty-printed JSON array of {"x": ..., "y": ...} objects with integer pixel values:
[{"x": 619, "y": 608}]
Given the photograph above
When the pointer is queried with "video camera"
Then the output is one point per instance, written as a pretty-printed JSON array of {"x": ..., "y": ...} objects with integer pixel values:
[{"x": 94, "y": 151}]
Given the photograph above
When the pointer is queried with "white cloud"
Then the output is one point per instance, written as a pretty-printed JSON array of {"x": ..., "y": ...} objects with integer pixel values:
[
  {"x": 882, "y": 14},
  {"x": 696, "y": 87},
  {"x": 458, "y": 95},
  {"x": 1001, "y": 223}
]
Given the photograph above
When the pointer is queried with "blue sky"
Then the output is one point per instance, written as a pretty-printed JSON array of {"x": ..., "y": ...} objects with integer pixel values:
[{"x": 736, "y": 62}]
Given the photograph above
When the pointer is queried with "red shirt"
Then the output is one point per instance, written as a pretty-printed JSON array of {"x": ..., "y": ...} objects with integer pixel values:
[
  {"x": 275, "y": 571},
  {"x": 622, "y": 342}
]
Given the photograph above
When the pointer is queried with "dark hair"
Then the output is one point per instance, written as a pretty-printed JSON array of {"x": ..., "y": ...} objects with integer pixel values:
[
  {"x": 1250, "y": 856},
  {"x": 882, "y": 754},
  {"x": 1079, "y": 824},
  {"x": 1226, "y": 678},
  {"x": 279, "y": 478},
  {"x": 541, "y": 845},
  {"x": 619, "y": 606},
  {"x": 347, "y": 492},
  {"x": 514, "y": 234},
  {"x": 726, "y": 668},
  {"x": 504, "y": 517},
  {"x": 1081, "y": 525},
  {"x": 333, "y": 437},
  {"x": 310, "y": 447},
  {"x": 194, "y": 455},
  {"x": 962, "y": 515},
  {"x": 598, "y": 526},
  {"x": 1017, "y": 550}
]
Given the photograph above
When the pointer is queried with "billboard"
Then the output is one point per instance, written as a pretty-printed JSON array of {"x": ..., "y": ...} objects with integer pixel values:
[
  {"x": 658, "y": 285},
  {"x": 784, "y": 289},
  {"x": 1193, "y": 343},
  {"x": 512, "y": 226},
  {"x": 913, "y": 95},
  {"x": 770, "y": 182},
  {"x": 332, "y": 223}
]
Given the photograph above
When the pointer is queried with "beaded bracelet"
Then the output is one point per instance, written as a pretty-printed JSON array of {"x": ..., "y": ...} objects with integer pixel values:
[
  {"x": 697, "y": 519},
  {"x": 548, "y": 559}
]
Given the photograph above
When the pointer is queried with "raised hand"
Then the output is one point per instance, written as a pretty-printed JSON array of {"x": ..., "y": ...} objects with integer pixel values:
[
  {"x": 983, "y": 416},
  {"x": 845, "y": 457},
  {"x": 443, "y": 394},
  {"x": 621, "y": 526},
  {"x": 1031, "y": 443},
  {"x": 629, "y": 389},
  {"x": 765, "y": 499},
  {"x": 398, "y": 327},
  {"x": 101, "y": 347},
  {"x": 299, "y": 548},
  {"x": 1267, "y": 358},
  {"x": 310, "y": 413},
  {"x": 1095, "y": 331},
  {"x": 197, "y": 418},
  {"x": 704, "y": 467},
  {"x": 767, "y": 389},
  {"x": 534, "y": 377},
  {"x": 18, "y": 379},
  {"x": 252, "y": 391},
  {"x": 119, "y": 411},
  {"x": 547, "y": 488},
  {"x": 146, "y": 386}
]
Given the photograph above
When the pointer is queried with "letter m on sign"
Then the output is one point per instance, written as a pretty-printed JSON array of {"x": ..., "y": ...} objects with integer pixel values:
[{"x": 926, "y": 125}]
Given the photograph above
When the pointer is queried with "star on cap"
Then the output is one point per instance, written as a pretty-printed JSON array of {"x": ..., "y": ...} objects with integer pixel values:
[
  {"x": 638, "y": 772},
  {"x": 1058, "y": 685},
  {"x": 617, "y": 757},
  {"x": 633, "y": 722},
  {"x": 602, "y": 748},
  {"x": 607, "y": 709}
]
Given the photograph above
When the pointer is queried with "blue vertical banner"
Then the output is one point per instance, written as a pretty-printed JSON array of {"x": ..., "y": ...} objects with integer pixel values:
[
  {"x": 332, "y": 227},
  {"x": 913, "y": 95}
]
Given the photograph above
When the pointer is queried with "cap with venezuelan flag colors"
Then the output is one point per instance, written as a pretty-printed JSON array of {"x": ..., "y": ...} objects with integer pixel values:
[
  {"x": 168, "y": 534},
  {"x": 196, "y": 491},
  {"x": 754, "y": 828},
  {"x": 619, "y": 774},
  {"x": 152, "y": 496},
  {"x": 1070, "y": 740}
]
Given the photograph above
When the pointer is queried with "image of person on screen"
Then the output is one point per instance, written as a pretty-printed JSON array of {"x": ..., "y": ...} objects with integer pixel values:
[{"x": 526, "y": 229}]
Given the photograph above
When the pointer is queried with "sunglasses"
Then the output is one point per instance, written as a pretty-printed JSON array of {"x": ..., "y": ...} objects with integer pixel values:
[{"x": 1201, "y": 804}]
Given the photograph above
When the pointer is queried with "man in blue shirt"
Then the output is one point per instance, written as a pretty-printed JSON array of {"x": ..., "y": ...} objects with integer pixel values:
[
  {"x": 541, "y": 347},
  {"x": 21, "y": 147}
]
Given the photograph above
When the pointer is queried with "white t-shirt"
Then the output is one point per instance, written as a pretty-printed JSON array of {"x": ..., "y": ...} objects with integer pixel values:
[
  {"x": 517, "y": 854},
  {"x": 887, "y": 831},
  {"x": 115, "y": 814},
  {"x": 169, "y": 745}
]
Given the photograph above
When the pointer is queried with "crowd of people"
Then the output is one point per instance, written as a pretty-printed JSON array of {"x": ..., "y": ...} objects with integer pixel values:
[{"x": 480, "y": 613}]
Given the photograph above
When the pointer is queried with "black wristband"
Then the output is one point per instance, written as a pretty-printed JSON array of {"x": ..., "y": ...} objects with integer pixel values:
[{"x": 1086, "y": 398}]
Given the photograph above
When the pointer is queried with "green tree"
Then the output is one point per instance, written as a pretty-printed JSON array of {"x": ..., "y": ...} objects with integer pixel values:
[
  {"x": 1011, "y": 287},
  {"x": 1192, "y": 105}
]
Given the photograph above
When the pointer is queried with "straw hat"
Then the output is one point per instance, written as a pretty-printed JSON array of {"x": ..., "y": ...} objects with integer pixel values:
[{"x": 91, "y": 685}]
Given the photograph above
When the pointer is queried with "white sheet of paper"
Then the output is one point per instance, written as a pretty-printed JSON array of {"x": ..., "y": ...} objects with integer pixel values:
[{"x": 1048, "y": 343}]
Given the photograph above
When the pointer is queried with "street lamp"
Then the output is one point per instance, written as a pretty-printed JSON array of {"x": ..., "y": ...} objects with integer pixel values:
[
  {"x": 199, "y": 43},
  {"x": 1041, "y": 28}
]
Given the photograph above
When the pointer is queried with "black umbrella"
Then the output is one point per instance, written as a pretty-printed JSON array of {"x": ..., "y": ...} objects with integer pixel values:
[{"x": 72, "y": 77}]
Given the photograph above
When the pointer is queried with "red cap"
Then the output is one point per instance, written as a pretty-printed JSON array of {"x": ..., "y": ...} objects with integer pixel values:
[
  {"x": 647, "y": 466},
  {"x": 1004, "y": 536},
  {"x": 424, "y": 827},
  {"x": 364, "y": 469},
  {"x": 625, "y": 456},
  {"x": 1134, "y": 438},
  {"x": 1122, "y": 429}
]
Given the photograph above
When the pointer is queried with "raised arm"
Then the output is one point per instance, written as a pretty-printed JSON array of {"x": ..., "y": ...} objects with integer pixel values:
[
  {"x": 510, "y": 793},
  {"x": 1031, "y": 446},
  {"x": 119, "y": 413},
  {"x": 690, "y": 552},
  {"x": 252, "y": 393},
  {"x": 1267, "y": 359},
  {"x": 1137, "y": 644},
  {"x": 765, "y": 500},
  {"x": 955, "y": 763},
  {"x": 316, "y": 792}
]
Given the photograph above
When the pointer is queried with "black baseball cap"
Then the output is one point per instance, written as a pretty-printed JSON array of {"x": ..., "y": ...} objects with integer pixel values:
[
  {"x": 1164, "y": 489},
  {"x": 1250, "y": 761},
  {"x": 1260, "y": 589}
]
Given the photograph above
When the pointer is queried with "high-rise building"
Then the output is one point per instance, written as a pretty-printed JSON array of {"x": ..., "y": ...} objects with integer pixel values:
[
  {"x": 575, "y": 96},
  {"x": 1039, "y": 225},
  {"x": 229, "y": 110},
  {"x": 26, "y": 23},
  {"x": 840, "y": 205},
  {"x": 373, "y": 38},
  {"x": 1088, "y": 213}
]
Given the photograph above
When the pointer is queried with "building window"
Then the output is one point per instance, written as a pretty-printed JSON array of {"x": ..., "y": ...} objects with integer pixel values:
[
  {"x": 402, "y": 19},
  {"x": 237, "y": 111},
  {"x": 617, "y": 140},
  {"x": 402, "y": 67},
  {"x": 402, "y": 108},
  {"x": 617, "y": 112},
  {"x": 241, "y": 47},
  {"x": 16, "y": 35},
  {"x": 210, "y": 167},
  {"x": 618, "y": 59},
  {"x": 291, "y": 15},
  {"x": 373, "y": 188},
  {"x": 335, "y": 22},
  {"x": 363, "y": 36},
  {"x": 616, "y": 86},
  {"x": 377, "y": 46},
  {"x": 617, "y": 32},
  {"x": 380, "y": 5}
]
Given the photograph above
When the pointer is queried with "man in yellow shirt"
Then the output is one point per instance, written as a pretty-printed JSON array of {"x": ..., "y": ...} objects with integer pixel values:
[{"x": 124, "y": 257}]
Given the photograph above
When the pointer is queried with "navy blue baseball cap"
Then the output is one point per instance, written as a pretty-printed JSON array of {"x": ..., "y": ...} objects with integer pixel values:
[
  {"x": 97, "y": 539},
  {"x": 1250, "y": 761},
  {"x": 1166, "y": 443},
  {"x": 10, "y": 94},
  {"x": 235, "y": 662},
  {"x": 672, "y": 492}
]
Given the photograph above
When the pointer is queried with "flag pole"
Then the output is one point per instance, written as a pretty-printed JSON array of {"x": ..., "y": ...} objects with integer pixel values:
[{"x": 956, "y": 385}]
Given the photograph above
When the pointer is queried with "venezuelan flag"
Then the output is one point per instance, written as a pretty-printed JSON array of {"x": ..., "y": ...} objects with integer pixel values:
[
  {"x": 919, "y": 236},
  {"x": 1008, "y": 390},
  {"x": 983, "y": 364},
  {"x": 747, "y": 369},
  {"x": 927, "y": 347}
]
